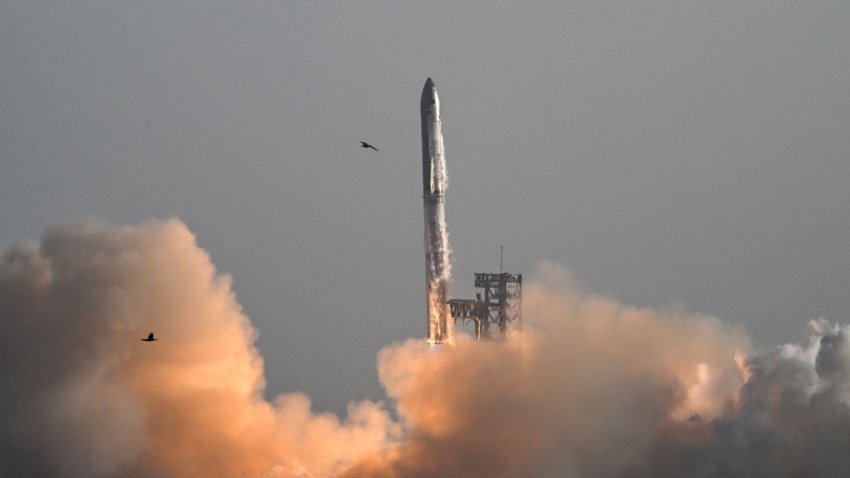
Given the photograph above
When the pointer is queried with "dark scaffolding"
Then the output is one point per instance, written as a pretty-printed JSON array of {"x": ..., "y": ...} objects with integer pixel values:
[{"x": 496, "y": 309}]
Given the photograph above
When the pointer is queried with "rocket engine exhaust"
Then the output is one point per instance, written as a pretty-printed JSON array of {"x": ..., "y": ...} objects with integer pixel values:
[{"x": 434, "y": 182}]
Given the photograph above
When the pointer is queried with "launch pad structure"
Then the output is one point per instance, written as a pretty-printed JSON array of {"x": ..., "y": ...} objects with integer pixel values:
[{"x": 496, "y": 309}]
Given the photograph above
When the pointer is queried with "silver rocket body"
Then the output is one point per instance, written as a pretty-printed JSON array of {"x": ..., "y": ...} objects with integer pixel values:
[{"x": 434, "y": 182}]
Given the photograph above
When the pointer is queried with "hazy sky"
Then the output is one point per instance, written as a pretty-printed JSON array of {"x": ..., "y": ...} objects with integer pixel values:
[{"x": 666, "y": 152}]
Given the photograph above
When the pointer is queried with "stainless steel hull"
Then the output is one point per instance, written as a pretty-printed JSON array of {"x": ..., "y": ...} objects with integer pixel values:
[{"x": 434, "y": 183}]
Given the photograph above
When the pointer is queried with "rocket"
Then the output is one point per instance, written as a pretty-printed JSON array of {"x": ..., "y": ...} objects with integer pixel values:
[{"x": 434, "y": 182}]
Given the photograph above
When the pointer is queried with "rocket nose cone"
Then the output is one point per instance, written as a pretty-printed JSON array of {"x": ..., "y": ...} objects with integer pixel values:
[{"x": 429, "y": 93}]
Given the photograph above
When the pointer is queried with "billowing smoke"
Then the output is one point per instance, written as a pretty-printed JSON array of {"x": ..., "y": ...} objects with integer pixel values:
[
  {"x": 82, "y": 396},
  {"x": 602, "y": 390},
  {"x": 581, "y": 394},
  {"x": 592, "y": 388}
]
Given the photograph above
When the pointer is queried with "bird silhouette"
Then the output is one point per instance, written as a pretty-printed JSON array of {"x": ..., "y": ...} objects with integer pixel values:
[
  {"x": 150, "y": 338},
  {"x": 364, "y": 144}
]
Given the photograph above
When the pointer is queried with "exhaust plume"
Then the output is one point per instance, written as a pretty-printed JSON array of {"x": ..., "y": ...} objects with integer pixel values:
[
  {"x": 592, "y": 389},
  {"x": 581, "y": 395},
  {"x": 82, "y": 396},
  {"x": 603, "y": 390}
]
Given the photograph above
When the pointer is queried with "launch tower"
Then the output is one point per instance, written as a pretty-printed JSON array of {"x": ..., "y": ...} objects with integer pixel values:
[{"x": 496, "y": 309}]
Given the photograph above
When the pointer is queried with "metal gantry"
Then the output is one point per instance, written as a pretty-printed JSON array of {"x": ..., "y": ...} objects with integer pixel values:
[{"x": 496, "y": 309}]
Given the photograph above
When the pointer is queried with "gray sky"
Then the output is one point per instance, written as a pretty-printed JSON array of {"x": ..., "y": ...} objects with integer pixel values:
[{"x": 665, "y": 151}]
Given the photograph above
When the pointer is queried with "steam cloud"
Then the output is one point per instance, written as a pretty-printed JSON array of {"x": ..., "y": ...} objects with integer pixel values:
[
  {"x": 82, "y": 396},
  {"x": 593, "y": 388}
]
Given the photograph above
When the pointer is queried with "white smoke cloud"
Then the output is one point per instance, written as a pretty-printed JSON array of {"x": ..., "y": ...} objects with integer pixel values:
[
  {"x": 82, "y": 396},
  {"x": 592, "y": 389},
  {"x": 791, "y": 418},
  {"x": 581, "y": 393},
  {"x": 603, "y": 390}
]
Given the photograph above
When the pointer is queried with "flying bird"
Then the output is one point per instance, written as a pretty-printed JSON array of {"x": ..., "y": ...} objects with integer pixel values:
[
  {"x": 150, "y": 338},
  {"x": 364, "y": 144}
]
